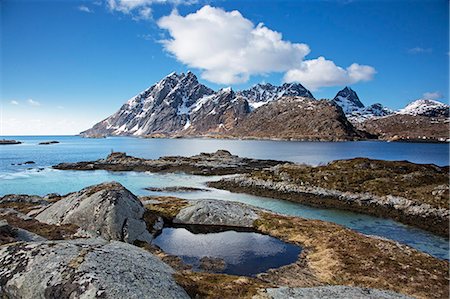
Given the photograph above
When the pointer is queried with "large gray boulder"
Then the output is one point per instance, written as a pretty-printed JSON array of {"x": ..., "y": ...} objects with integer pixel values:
[
  {"x": 217, "y": 212},
  {"x": 84, "y": 268},
  {"x": 108, "y": 210},
  {"x": 331, "y": 292}
]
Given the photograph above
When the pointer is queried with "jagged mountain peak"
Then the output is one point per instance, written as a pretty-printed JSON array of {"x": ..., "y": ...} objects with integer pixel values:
[
  {"x": 262, "y": 93},
  {"x": 348, "y": 99}
]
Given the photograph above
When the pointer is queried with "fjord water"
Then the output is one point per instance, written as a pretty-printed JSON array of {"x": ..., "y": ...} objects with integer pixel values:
[
  {"x": 40, "y": 179},
  {"x": 244, "y": 253}
]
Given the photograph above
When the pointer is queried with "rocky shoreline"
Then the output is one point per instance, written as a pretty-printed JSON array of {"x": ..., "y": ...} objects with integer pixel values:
[
  {"x": 417, "y": 194},
  {"x": 97, "y": 242},
  {"x": 221, "y": 162},
  {"x": 400, "y": 209},
  {"x": 410, "y": 193}
]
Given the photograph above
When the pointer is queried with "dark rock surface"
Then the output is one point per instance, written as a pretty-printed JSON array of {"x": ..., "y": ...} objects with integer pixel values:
[
  {"x": 8, "y": 142},
  {"x": 48, "y": 142}
]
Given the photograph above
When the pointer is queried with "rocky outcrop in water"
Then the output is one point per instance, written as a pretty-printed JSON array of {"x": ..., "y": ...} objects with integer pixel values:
[
  {"x": 108, "y": 210},
  {"x": 410, "y": 193},
  {"x": 89, "y": 268},
  {"x": 9, "y": 142},
  {"x": 48, "y": 142},
  {"x": 217, "y": 212},
  {"x": 219, "y": 163}
]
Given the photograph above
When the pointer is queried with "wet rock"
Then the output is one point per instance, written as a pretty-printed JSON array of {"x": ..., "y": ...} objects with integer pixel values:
[
  {"x": 217, "y": 212},
  {"x": 331, "y": 292},
  {"x": 108, "y": 210},
  {"x": 211, "y": 264},
  {"x": 90, "y": 268},
  {"x": 29, "y": 162}
]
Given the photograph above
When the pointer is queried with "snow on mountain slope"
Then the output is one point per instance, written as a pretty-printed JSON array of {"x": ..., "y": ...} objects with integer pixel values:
[
  {"x": 426, "y": 108},
  {"x": 261, "y": 94}
]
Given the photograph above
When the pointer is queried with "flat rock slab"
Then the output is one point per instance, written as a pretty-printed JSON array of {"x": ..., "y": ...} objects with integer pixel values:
[
  {"x": 108, "y": 210},
  {"x": 332, "y": 292},
  {"x": 84, "y": 268},
  {"x": 217, "y": 212}
]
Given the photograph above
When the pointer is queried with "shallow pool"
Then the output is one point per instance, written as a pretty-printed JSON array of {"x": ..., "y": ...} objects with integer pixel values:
[{"x": 243, "y": 253}]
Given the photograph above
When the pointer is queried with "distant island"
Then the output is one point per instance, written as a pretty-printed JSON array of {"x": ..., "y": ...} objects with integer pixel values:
[{"x": 7, "y": 142}]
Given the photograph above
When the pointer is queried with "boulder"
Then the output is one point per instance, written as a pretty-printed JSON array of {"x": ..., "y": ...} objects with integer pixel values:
[
  {"x": 331, "y": 292},
  {"x": 217, "y": 212},
  {"x": 108, "y": 210},
  {"x": 84, "y": 268}
]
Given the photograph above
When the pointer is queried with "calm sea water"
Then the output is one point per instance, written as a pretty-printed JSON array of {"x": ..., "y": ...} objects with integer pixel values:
[{"x": 40, "y": 179}]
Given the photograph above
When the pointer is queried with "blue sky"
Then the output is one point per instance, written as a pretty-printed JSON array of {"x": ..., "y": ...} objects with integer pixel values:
[{"x": 68, "y": 64}]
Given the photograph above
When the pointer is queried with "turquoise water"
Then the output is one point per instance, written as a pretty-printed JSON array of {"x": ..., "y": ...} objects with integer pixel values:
[
  {"x": 20, "y": 179},
  {"x": 244, "y": 253}
]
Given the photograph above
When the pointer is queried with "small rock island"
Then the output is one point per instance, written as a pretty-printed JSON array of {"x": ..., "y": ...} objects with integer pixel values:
[{"x": 8, "y": 142}]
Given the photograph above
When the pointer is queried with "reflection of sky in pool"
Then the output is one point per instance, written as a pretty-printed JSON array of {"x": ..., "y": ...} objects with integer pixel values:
[{"x": 245, "y": 253}]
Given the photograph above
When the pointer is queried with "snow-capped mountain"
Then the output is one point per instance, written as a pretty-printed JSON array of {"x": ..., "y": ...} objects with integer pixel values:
[
  {"x": 425, "y": 107},
  {"x": 348, "y": 100},
  {"x": 260, "y": 94},
  {"x": 179, "y": 104},
  {"x": 164, "y": 107},
  {"x": 355, "y": 110}
]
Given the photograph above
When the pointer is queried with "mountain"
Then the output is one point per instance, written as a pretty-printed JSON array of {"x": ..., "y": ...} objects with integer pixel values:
[
  {"x": 425, "y": 107},
  {"x": 179, "y": 105},
  {"x": 217, "y": 113},
  {"x": 421, "y": 120},
  {"x": 355, "y": 110},
  {"x": 261, "y": 94},
  {"x": 348, "y": 100},
  {"x": 162, "y": 108},
  {"x": 298, "y": 118}
]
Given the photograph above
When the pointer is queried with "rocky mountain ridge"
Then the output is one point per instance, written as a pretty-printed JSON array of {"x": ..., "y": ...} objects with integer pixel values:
[{"x": 180, "y": 106}]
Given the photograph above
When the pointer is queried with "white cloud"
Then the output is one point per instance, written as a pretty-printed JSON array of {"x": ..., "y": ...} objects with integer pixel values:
[
  {"x": 84, "y": 8},
  {"x": 321, "y": 72},
  {"x": 419, "y": 50},
  {"x": 33, "y": 102},
  {"x": 436, "y": 95},
  {"x": 228, "y": 47},
  {"x": 141, "y": 9},
  {"x": 14, "y": 102}
]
